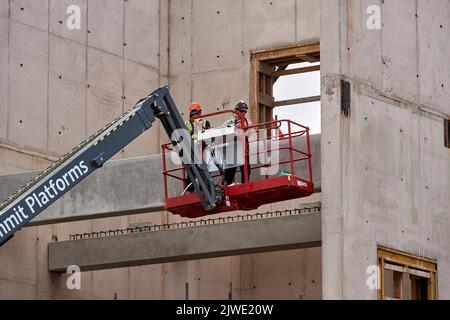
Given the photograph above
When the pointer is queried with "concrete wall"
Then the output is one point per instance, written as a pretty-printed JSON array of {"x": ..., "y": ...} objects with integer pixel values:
[
  {"x": 57, "y": 86},
  {"x": 211, "y": 42},
  {"x": 385, "y": 170}
]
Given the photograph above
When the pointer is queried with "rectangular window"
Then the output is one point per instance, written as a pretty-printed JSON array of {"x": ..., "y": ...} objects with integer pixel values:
[
  {"x": 285, "y": 84},
  {"x": 405, "y": 276}
]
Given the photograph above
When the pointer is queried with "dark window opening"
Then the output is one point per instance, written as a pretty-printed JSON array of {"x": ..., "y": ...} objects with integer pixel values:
[{"x": 406, "y": 277}]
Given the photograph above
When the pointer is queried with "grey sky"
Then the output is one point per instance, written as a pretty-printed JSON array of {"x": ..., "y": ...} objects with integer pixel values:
[{"x": 297, "y": 86}]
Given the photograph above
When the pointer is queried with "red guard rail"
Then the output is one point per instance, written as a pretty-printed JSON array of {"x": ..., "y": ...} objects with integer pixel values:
[{"x": 265, "y": 134}]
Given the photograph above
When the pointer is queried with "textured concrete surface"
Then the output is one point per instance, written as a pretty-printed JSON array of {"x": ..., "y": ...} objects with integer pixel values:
[
  {"x": 28, "y": 73},
  {"x": 211, "y": 42},
  {"x": 79, "y": 78},
  {"x": 4, "y": 32},
  {"x": 385, "y": 169},
  {"x": 156, "y": 247}
]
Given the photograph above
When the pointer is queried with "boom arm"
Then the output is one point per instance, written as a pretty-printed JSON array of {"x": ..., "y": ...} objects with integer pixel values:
[{"x": 90, "y": 155}]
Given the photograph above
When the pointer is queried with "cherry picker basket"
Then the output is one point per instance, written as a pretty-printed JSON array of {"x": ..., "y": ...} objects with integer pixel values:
[{"x": 275, "y": 167}]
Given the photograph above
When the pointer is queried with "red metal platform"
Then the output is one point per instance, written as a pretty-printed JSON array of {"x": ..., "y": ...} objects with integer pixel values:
[
  {"x": 251, "y": 194},
  {"x": 243, "y": 197}
]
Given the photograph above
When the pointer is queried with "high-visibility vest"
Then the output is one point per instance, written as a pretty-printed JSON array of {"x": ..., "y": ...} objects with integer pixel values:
[
  {"x": 233, "y": 121},
  {"x": 193, "y": 130}
]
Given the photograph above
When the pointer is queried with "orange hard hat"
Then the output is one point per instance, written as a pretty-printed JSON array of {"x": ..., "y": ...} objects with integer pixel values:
[{"x": 195, "y": 106}]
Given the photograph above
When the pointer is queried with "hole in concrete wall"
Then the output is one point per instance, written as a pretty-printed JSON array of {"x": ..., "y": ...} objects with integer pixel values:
[
  {"x": 447, "y": 132},
  {"x": 20, "y": 121},
  {"x": 187, "y": 290},
  {"x": 21, "y": 9},
  {"x": 345, "y": 98}
]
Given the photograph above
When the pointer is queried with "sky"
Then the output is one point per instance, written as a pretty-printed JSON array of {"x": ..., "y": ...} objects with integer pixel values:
[{"x": 298, "y": 86}]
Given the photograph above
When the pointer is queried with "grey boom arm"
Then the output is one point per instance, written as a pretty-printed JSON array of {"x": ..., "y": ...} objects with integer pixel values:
[{"x": 91, "y": 154}]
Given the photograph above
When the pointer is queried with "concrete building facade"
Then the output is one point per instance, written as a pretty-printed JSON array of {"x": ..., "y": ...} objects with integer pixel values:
[
  {"x": 385, "y": 169},
  {"x": 58, "y": 86},
  {"x": 391, "y": 187}
]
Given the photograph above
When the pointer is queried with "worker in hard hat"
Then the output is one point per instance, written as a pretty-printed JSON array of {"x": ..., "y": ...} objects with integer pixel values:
[
  {"x": 241, "y": 109},
  {"x": 194, "y": 126}
]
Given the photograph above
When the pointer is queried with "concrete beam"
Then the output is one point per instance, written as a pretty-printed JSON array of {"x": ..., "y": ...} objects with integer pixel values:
[
  {"x": 121, "y": 187},
  {"x": 237, "y": 238}
]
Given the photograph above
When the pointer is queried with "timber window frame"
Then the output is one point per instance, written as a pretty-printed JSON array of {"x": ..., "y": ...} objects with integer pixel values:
[
  {"x": 422, "y": 272},
  {"x": 267, "y": 66}
]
